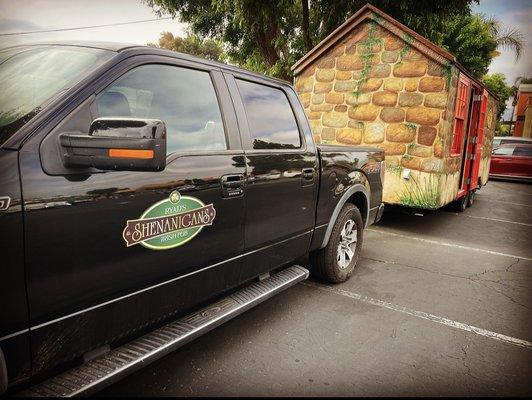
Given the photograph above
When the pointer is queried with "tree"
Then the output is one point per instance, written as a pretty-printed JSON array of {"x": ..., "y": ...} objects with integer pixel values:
[
  {"x": 474, "y": 39},
  {"x": 506, "y": 37},
  {"x": 191, "y": 44},
  {"x": 497, "y": 84},
  {"x": 270, "y": 36}
]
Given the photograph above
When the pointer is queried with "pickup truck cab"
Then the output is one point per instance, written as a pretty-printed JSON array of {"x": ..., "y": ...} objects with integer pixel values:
[{"x": 138, "y": 184}]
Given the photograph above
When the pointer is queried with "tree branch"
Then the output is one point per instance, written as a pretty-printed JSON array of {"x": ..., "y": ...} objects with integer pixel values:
[{"x": 305, "y": 26}]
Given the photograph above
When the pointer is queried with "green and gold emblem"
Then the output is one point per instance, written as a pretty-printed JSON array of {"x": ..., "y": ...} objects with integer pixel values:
[{"x": 169, "y": 223}]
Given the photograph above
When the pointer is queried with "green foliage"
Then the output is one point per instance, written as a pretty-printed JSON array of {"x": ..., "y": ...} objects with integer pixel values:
[
  {"x": 469, "y": 39},
  {"x": 366, "y": 57},
  {"x": 502, "y": 129},
  {"x": 191, "y": 44},
  {"x": 474, "y": 38},
  {"x": 426, "y": 195},
  {"x": 259, "y": 35},
  {"x": 411, "y": 126},
  {"x": 396, "y": 169},
  {"x": 406, "y": 47},
  {"x": 507, "y": 37},
  {"x": 270, "y": 36},
  {"x": 497, "y": 84},
  {"x": 448, "y": 74}
]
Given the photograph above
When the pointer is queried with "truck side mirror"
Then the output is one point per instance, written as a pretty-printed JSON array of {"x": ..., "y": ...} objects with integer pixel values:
[{"x": 121, "y": 144}]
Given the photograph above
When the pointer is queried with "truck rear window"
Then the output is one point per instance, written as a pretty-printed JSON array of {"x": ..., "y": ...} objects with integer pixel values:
[{"x": 271, "y": 121}]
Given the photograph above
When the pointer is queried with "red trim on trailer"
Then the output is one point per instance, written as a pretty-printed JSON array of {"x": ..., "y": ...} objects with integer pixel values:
[
  {"x": 461, "y": 193},
  {"x": 460, "y": 114}
]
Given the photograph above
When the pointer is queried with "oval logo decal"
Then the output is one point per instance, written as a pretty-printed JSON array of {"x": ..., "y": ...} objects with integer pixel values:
[{"x": 169, "y": 223}]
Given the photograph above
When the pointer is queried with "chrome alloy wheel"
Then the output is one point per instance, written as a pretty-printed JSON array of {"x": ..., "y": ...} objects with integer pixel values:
[{"x": 347, "y": 245}]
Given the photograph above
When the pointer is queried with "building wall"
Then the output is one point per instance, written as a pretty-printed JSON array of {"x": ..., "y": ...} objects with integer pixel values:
[
  {"x": 375, "y": 87},
  {"x": 527, "y": 126},
  {"x": 523, "y": 101}
]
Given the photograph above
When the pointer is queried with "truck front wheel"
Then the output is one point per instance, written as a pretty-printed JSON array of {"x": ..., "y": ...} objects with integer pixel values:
[{"x": 336, "y": 262}]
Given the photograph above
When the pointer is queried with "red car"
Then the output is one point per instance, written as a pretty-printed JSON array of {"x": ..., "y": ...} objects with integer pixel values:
[{"x": 512, "y": 161}]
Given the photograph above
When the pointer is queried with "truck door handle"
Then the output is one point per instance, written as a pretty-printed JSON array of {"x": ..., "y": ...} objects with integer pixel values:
[
  {"x": 233, "y": 181},
  {"x": 232, "y": 185},
  {"x": 307, "y": 174},
  {"x": 307, "y": 177}
]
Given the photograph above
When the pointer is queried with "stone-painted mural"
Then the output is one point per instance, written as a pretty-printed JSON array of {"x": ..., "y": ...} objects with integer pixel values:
[{"x": 379, "y": 86}]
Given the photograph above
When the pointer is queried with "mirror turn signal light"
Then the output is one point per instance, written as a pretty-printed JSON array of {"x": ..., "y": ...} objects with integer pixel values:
[{"x": 129, "y": 153}]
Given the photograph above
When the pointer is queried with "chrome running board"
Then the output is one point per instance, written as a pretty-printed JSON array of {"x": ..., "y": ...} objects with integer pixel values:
[{"x": 114, "y": 365}]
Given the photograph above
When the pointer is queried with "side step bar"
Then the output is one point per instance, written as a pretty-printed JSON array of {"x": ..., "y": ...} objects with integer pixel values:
[{"x": 94, "y": 375}]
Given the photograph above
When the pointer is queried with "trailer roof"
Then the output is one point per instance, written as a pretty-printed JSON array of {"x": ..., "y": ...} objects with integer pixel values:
[{"x": 360, "y": 16}]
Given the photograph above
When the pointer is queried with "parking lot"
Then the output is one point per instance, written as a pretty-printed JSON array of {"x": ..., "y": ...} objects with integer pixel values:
[{"x": 439, "y": 305}]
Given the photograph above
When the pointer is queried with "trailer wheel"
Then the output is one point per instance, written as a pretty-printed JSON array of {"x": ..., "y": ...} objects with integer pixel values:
[
  {"x": 336, "y": 262},
  {"x": 471, "y": 198},
  {"x": 461, "y": 204}
]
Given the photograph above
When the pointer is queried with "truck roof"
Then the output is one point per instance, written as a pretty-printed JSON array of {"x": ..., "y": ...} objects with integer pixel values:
[{"x": 135, "y": 48}]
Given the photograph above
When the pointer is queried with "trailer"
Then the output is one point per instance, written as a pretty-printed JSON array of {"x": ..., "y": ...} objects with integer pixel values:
[{"x": 374, "y": 81}]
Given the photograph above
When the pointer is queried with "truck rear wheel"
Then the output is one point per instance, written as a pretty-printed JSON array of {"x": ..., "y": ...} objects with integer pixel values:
[{"x": 336, "y": 262}]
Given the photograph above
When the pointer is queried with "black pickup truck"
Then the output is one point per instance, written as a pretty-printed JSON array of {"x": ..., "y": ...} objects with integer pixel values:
[{"x": 147, "y": 196}]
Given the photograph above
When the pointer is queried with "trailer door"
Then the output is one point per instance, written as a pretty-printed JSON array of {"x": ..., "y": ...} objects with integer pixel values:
[
  {"x": 479, "y": 141},
  {"x": 459, "y": 145}
]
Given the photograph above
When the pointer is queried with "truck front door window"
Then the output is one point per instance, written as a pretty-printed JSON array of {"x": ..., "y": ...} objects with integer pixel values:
[{"x": 183, "y": 98}]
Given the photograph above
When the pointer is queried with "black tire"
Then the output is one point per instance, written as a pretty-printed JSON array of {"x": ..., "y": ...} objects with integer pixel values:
[
  {"x": 324, "y": 263},
  {"x": 461, "y": 204},
  {"x": 471, "y": 198}
]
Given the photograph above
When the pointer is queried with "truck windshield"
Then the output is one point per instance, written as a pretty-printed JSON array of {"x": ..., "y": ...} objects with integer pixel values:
[{"x": 31, "y": 76}]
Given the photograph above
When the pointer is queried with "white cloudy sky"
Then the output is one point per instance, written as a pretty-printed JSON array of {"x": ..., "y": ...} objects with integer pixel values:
[{"x": 28, "y": 15}]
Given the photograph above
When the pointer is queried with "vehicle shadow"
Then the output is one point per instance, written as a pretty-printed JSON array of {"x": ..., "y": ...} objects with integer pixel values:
[{"x": 413, "y": 220}]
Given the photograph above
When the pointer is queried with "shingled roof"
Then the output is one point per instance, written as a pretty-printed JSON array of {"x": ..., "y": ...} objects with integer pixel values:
[
  {"x": 387, "y": 22},
  {"x": 368, "y": 11}
]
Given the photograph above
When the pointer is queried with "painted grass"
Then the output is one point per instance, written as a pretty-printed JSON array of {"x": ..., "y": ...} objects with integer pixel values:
[{"x": 422, "y": 195}]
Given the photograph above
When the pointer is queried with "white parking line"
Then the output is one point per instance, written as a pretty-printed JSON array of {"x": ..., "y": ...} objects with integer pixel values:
[
  {"x": 459, "y": 246},
  {"x": 505, "y": 202},
  {"x": 496, "y": 219},
  {"x": 421, "y": 314}
]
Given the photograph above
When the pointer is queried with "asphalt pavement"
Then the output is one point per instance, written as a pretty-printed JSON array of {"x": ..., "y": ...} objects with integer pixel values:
[{"x": 440, "y": 304}]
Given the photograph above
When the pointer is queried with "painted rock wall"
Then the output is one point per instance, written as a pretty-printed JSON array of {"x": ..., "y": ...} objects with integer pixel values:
[{"x": 378, "y": 87}]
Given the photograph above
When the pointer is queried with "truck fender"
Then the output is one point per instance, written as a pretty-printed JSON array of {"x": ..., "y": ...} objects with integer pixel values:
[{"x": 347, "y": 194}]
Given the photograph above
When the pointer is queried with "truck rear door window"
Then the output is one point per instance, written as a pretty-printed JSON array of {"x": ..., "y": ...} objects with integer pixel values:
[
  {"x": 184, "y": 99},
  {"x": 271, "y": 121}
]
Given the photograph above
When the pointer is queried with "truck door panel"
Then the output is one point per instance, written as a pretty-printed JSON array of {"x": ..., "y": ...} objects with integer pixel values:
[
  {"x": 282, "y": 174},
  {"x": 14, "y": 332},
  {"x": 87, "y": 285}
]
